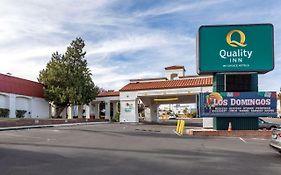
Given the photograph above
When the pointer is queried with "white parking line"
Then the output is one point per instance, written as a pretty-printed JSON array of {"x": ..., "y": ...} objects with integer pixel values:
[
  {"x": 242, "y": 140},
  {"x": 260, "y": 139},
  {"x": 55, "y": 130}
]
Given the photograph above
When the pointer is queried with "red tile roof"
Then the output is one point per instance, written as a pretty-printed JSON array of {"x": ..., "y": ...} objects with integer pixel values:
[
  {"x": 191, "y": 76},
  {"x": 148, "y": 79},
  {"x": 174, "y": 67},
  {"x": 14, "y": 85},
  {"x": 170, "y": 84},
  {"x": 108, "y": 94}
]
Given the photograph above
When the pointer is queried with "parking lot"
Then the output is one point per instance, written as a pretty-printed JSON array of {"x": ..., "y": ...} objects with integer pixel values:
[{"x": 130, "y": 149}]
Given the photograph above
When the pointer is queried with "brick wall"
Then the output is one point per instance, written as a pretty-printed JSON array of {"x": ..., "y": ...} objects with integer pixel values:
[{"x": 238, "y": 133}]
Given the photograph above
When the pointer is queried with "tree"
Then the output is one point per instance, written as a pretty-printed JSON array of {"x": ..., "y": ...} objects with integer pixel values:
[
  {"x": 67, "y": 79},
  {"x": 185, "y": 111}
]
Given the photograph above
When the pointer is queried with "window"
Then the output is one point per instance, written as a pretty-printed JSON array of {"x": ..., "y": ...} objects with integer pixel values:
[
  {"x": 238, "y": 82},
  {"x": 174, "y": 76}
]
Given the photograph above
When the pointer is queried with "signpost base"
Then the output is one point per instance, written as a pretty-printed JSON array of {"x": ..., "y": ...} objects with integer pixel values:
[
  {"x": 221, "y": 84},
  {"x": 237, "y": 123}
]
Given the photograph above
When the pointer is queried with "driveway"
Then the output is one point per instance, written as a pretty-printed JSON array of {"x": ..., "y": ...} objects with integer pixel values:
[{"x": 113, "y": 149}]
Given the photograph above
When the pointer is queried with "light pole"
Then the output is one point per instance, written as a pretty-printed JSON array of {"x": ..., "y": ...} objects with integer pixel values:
[{"x": 279, "y": 96}]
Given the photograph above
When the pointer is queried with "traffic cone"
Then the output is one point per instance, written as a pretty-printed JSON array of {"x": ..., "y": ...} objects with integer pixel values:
[{"x": 229, "y": 127}]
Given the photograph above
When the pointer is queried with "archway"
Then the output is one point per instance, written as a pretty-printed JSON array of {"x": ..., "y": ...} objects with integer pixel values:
[
  {"x": 23, "y": 107},
  {"x": 4, "y": 101}
]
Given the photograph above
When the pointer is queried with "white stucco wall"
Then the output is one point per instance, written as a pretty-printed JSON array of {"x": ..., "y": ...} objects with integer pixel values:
[
  {"x": 95, "y": 108},
  {"x": 39, "y": 108},
  {"x": 35, "y": 107},
  {"x": 4, "y": 101},
  {"x": 24, "y": 103},
  {"x": 129, "y": 111},
  {"x": 179, "y": 72},
  {"x": 128, "y": 107},
  {"x": 73, "y": 110}
]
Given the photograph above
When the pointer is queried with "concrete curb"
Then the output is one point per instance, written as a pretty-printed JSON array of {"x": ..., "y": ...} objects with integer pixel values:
[{"x": 48, "y": 126}]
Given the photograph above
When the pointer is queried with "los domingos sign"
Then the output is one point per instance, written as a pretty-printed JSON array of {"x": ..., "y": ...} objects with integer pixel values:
[
  {"x": 235, "y": 48},
  {"x": 230, "y": 104}
]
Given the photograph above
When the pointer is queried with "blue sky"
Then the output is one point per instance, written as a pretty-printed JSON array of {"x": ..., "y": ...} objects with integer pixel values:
[{"x": 125, "y": 39}]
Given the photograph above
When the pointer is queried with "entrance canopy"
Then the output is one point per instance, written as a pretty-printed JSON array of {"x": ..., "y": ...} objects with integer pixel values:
[
  {"x": 153, "y": 93},
  {"x": 175, "y": 88}
]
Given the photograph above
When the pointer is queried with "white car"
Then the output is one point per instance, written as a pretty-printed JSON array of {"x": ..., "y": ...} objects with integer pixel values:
[
  {"x": 172, "y": 117},
  {"x": 276, "y": 140}
]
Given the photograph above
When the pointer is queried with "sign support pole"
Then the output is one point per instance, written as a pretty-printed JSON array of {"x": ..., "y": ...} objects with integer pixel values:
[{"x": 238, "y": 123}]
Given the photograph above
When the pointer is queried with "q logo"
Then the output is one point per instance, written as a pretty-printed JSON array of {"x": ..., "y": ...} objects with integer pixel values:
[{"x": 234, "y": 43}]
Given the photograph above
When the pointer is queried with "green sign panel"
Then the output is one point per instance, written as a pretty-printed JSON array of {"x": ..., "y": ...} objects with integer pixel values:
[{"x": 235, "y": 48}]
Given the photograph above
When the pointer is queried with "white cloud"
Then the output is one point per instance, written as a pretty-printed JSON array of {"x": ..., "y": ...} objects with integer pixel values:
[
  {"x": 32, "y": 30},
  {"x": 114, "y": 81},
  {"x": 156, "y": 50},
  {"x": 102, "y": 70},
  {"x": 178, "y": 7},
  {"x": 127, "y": 44},
  {"x": 24, "y": 54},
  {"x": 135, "y": 42},
  {"x": 108, "y": 77}
]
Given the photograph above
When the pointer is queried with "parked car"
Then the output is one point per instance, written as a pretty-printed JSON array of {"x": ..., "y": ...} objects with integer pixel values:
[
  {"x": 276, "y": 140},
  {"x": 267, "y": 125},
  {"x": 172, "y": 117}
]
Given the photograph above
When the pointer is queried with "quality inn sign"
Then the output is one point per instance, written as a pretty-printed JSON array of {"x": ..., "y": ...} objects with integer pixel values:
[
  {"x": 235, "y": 48},
  {"x": 234, "y": 43}
]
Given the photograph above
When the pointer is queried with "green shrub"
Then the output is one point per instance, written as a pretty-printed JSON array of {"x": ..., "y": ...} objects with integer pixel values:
[
  {"x": 194, "y": 114},
  {"x": 116, "y": 117},
  {"x": 20, "y": 113},
  {"x": 4, "y": 112}
]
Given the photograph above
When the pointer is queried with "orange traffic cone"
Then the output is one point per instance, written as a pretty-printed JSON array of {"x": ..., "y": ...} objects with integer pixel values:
[{"x": 229, "y": 127}]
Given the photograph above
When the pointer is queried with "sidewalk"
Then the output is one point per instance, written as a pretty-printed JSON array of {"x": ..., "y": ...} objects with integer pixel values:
[
  {"x": 13, "y": 124},
  {"x": 50, "y": 125}
]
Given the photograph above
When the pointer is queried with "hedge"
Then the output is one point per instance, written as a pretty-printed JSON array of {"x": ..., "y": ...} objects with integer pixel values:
[
  {"x": 20, "y": 113},
  {"x": 4, "y": 112}
]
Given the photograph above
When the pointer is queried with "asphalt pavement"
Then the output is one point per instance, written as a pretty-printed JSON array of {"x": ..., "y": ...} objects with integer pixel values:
[{"x": 113, "y": 149}]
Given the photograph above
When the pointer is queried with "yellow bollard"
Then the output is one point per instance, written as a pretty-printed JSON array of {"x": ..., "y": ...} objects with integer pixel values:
[
  {"x": 181, "y": 127},
  {"x": 178, "y": 126}
]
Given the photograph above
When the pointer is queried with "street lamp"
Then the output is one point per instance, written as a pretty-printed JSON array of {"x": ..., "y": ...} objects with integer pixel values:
[{"x": 279, "y": 96}]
